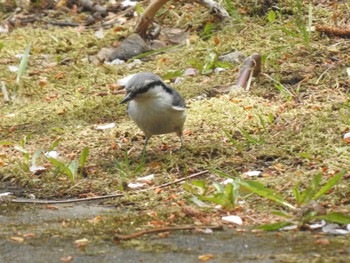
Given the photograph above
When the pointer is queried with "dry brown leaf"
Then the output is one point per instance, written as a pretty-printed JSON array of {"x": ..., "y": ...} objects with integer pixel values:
[
  {"x": 66, "y": 259},
  {"x": 52, "y": 207},
  {"x": 216, "y": 40},
  {"x": 95, "y": 220},
  {"x": 322, "y": 242},
  {"x": 17, "y": 239},
  {"x": 81, "y": 242},
  {"x": 29, "y": 235},
  {"x": 205, "y": 257},
  {"x": 158, "y": 191},
  {"x": 164, "y": 234}
]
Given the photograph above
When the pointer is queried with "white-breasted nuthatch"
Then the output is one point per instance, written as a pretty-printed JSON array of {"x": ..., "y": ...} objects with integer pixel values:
[{"x": 155, "y": 107}]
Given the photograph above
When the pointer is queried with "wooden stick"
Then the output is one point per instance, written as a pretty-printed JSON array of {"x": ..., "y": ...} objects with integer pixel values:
[
  {"x": 147, "y": 16},
  {"x": 118, "y": 237},
  {"x": 34, "y": 201}
]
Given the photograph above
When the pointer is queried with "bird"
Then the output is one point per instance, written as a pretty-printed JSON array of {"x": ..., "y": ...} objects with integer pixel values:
[{"x": 154, "y": 106}]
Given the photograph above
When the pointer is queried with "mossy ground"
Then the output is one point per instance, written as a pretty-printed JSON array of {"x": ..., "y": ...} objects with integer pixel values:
[{"x": 64, "y": 97}]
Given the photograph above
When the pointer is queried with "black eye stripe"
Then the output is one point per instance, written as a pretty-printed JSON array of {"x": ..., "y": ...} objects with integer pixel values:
[{"x": 150, "y": 85}]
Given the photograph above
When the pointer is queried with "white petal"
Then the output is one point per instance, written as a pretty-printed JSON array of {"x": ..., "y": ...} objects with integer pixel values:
[
  {"x": 105, "y": 126},
  {"x": 35, "y": 168},
  {"x": 233, "y": 219},
  {"x": 52, "y": 154},
  {"x": 227, "y": 181},
  {"x": 287, "y": 228},
  {"x": 346, "y": 135},
  {"x": 252, "y": 173},
  {"x": 198, "y": 202},
  {"x": 334, "y": 229},
  {"x": 5, "y": 194},
  {"x": 117, "y": 61},
  {"x": 99, "y": 33},
  {"x": 136, "y": 185},
  {"x": 318, "y": 225},
  {"x": 127, "y": 3},
  {"x": 216, "y": 70},
  {"x": 13, "y": 68},
  {"x": 146, "y": 178}
]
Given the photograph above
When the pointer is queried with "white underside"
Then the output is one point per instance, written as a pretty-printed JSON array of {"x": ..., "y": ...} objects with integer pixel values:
[{"x": 157, "y": 116}]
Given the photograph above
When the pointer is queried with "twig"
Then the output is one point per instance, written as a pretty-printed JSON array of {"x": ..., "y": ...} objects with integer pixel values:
[
  {"x": 33, "y": 201},
  {"x": 324, "y": 72},
  {"x": 148, "y": 15},
  {"x": 4, "y": 92},
  {"x": 118, "y": 237},
  {"x": 277, "y": 82},
  {"x": 45, "y": 202},
  {"x": 62, "y": 23}
]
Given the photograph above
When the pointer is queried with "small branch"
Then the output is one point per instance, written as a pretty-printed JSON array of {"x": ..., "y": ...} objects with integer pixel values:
[
  {"x": 45, "y": 202},
  {"x": 62, "y": 23},
  {"x": 147, "y": 16},
  {"x": 4, "y": 92},
  {"x": 33, "y": 201},
  {"x": 118, "y": 237}
]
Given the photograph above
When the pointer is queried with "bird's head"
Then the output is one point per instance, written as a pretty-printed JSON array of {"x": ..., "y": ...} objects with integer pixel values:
[{"x": 141, "y": 85}]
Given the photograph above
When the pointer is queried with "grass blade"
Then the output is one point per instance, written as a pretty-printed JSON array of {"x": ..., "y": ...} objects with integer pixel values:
[
  {"x": 23, "y": 64},
  {"x": 274, "y": 226},
  {"x": 329, "y": 185},
  {"x": 263, "y": 191},
  {"x": 336, "y": 218}
]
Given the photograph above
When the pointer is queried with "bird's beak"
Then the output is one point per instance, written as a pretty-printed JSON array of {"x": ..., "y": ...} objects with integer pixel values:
[{"x": 128, "y": 97}]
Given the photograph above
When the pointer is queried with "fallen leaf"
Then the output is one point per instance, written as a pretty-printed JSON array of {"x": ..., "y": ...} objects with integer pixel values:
[
  {"x": 52, "y": 207},
  {"x": 233, "y": 219},
  {"x": 81, "y": 242},
  {"x": 156, "y": 223},
  {"x": 61, "y": 111},
  {"x": 153, "y": 214},
  {"x": 146, "y": 178},
  {"x": 29, "y": 235},
  {"x": 205, "y": 257},
  {"x": 136, "y": 185},
  {"x": 163, "y": 235},
  {"x": 95, "y": 220},
  {"x": 252, "y": 173},
  {"x": 322, "y": 242},
  {"x": 66, "y": 259},
  {"x": 216, "y": 40},
  {"x": 17, "y": 239},
  {"x": 158, "y": 191},
  {"x": 235, "y": 100},
  {"x": 105, "y": 126},
  {"x": 59, "y": 75}
]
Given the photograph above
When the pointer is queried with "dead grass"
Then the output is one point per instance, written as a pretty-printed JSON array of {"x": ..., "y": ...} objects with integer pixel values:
[{"x": 77, "y": 96}]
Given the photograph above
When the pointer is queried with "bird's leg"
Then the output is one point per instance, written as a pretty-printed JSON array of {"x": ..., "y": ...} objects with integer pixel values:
[
  {"x": 144, "y": 147},
  {"x": 181, "y": 136},
  {"x": 182, "y": 141}
]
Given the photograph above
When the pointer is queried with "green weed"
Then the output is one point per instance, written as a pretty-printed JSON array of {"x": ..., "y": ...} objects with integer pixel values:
[
  {"x": 124, "y": 167},
  {"x": 227, "y": 195},
  {"x": 72, "y": 170},
  {"x": 306, "y": 208},
  {"x": 210, "y": 62}
]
